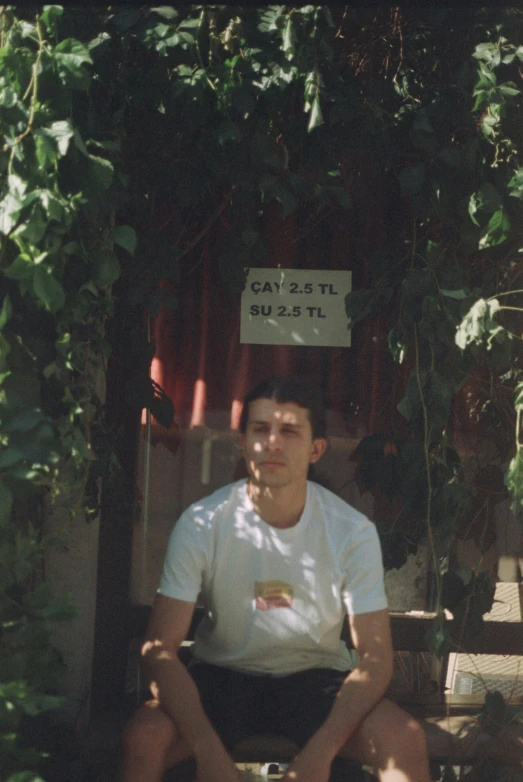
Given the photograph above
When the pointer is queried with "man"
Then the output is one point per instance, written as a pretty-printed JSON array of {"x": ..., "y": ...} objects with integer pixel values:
[{"x": 278, "y": 561}]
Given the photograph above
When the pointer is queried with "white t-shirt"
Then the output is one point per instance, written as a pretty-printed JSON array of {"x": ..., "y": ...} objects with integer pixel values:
[{"x": 275, "y": 599}]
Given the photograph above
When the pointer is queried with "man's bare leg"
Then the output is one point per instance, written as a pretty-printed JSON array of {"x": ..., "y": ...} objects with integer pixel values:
[
  {"x": 151, "y": 745},
  {"x": 393, "y": 743}
]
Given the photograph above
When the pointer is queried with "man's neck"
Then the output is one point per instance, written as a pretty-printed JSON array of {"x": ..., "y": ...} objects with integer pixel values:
[{"x": 280, "y": 508}]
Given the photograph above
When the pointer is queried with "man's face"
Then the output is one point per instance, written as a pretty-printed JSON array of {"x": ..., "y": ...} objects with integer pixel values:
[{"x": 278, "y": 445}]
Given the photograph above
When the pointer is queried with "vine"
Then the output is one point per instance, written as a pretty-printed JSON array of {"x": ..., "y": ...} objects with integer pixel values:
[{"x": 127, "y": 132}]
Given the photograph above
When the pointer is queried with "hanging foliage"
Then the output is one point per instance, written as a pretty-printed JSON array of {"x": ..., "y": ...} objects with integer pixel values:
[{"x": 107, "y": 115}]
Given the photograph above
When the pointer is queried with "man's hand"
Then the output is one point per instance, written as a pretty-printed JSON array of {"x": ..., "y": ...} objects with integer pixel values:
[
  {"x": 312, "y": 764},
  {"x": 214, "y": 764}
]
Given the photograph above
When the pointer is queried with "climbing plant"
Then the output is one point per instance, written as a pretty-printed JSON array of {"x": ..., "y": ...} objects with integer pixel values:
[
  {"x": 458, "y": 167},
  {"x": 58, "y": 260},
  {"x": 128, "y": 132}
]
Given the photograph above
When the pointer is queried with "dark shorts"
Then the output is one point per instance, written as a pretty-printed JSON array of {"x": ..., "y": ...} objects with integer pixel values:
[{"x": 239, "y": 705}]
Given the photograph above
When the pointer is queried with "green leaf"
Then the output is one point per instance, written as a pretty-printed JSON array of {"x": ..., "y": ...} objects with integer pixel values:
[
  {"x": 50, "y": 15},
  {"x": 61, "y": 132},
  {"x": 125, "y": 19},
  {"x": 6, "y": 311},
  {"x": 497, "y": 230},
  {"x": 162, "y": 409},
  {"x": 37, "y": 703},
  {"x": 514, "y": 481},
  {"x": 10, "y": 456},
  {"x": 436, "y": 399},
  {"x": 101, "y": 42},
  {"x": 28, "y": 29},
  {"x": 71, "y": 56},
  {"x": 105, "y": 268},
  {"x": 10, "y": 208},
  {"x": 396, "y": 340},
  {"x": 487, "y": 78},
  {"x": 486, "y": 51},
  {"x": 17, "y": 185},
  {"x": 477, "y": 322},
  {"x": 162, "y": 30},
  {"x": 518, "y": 403},
  {"x": 52, "y": 205},
  {"x": 516, "y": 184},
  {"x": 125, "y": 237},
  {"x": 489, "y": 199},
  {"x": 46, "y": 154},
  {"x": 481, "y": 99},
  {"x": 8, "y": 98},
  {"x": 48, "y": 289},
  {"x": 33, "y": 230},
  {"x": 316, "y": 116},
  {"x": 453, "y": 590},
  {"x": 102, "y": 171},
  {"x": 189, "y": 24},
  {"x": 24, "y": 421},
  {"x": 509, "y": 88},
  {"x": 165, "y": 11},
  {"x": 79, "y": 142},
  {"x": 488, "y": 122},
  {"x": 22, "y": 268},
  {"x": 289, "y": 37},
  {"x": 457, "y": 294}
]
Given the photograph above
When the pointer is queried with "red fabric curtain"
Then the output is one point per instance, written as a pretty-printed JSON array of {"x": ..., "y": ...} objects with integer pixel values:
[{"x": 201, "y": 364}]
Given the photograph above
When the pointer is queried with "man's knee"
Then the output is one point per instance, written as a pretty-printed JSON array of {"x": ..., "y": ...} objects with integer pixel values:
[
  {"x": 389, "y": 732},
  {"x": 149, "y": 731},
  {"x": 411, "y": 734},
  {"x": 401, "y": 737}
]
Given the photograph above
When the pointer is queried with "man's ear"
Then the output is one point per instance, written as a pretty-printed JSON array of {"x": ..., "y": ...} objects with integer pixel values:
[{"x": 319, "y": 446}]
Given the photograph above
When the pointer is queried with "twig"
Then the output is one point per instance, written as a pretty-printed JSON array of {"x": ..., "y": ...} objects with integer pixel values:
[
  {"x": 400, "y": 32},
  {"x": 430, "y": 534},
  {"x": 504, "y": 293},
  {"x": 338, "y": 34},
  {"x": 34, "y": 83}
]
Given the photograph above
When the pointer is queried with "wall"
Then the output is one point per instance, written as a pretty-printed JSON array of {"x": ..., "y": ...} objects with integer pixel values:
[{"x": 74, "y": 570}]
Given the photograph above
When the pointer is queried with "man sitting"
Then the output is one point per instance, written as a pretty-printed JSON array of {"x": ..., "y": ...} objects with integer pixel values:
[{"x": 278, "y": 561}]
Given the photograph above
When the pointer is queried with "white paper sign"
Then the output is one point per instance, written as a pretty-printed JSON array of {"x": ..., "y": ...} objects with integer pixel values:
[{"x": 295, "y": 307}]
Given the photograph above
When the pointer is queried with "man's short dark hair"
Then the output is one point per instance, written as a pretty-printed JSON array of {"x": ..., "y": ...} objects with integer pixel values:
[{"x": 288, "y": 388}]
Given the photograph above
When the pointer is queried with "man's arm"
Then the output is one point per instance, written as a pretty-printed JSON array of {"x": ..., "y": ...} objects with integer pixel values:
[
  {"x": 366, "y": 684},
  {"x": 174, "y": 688},
  {"x": 360, "y": 692}
]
